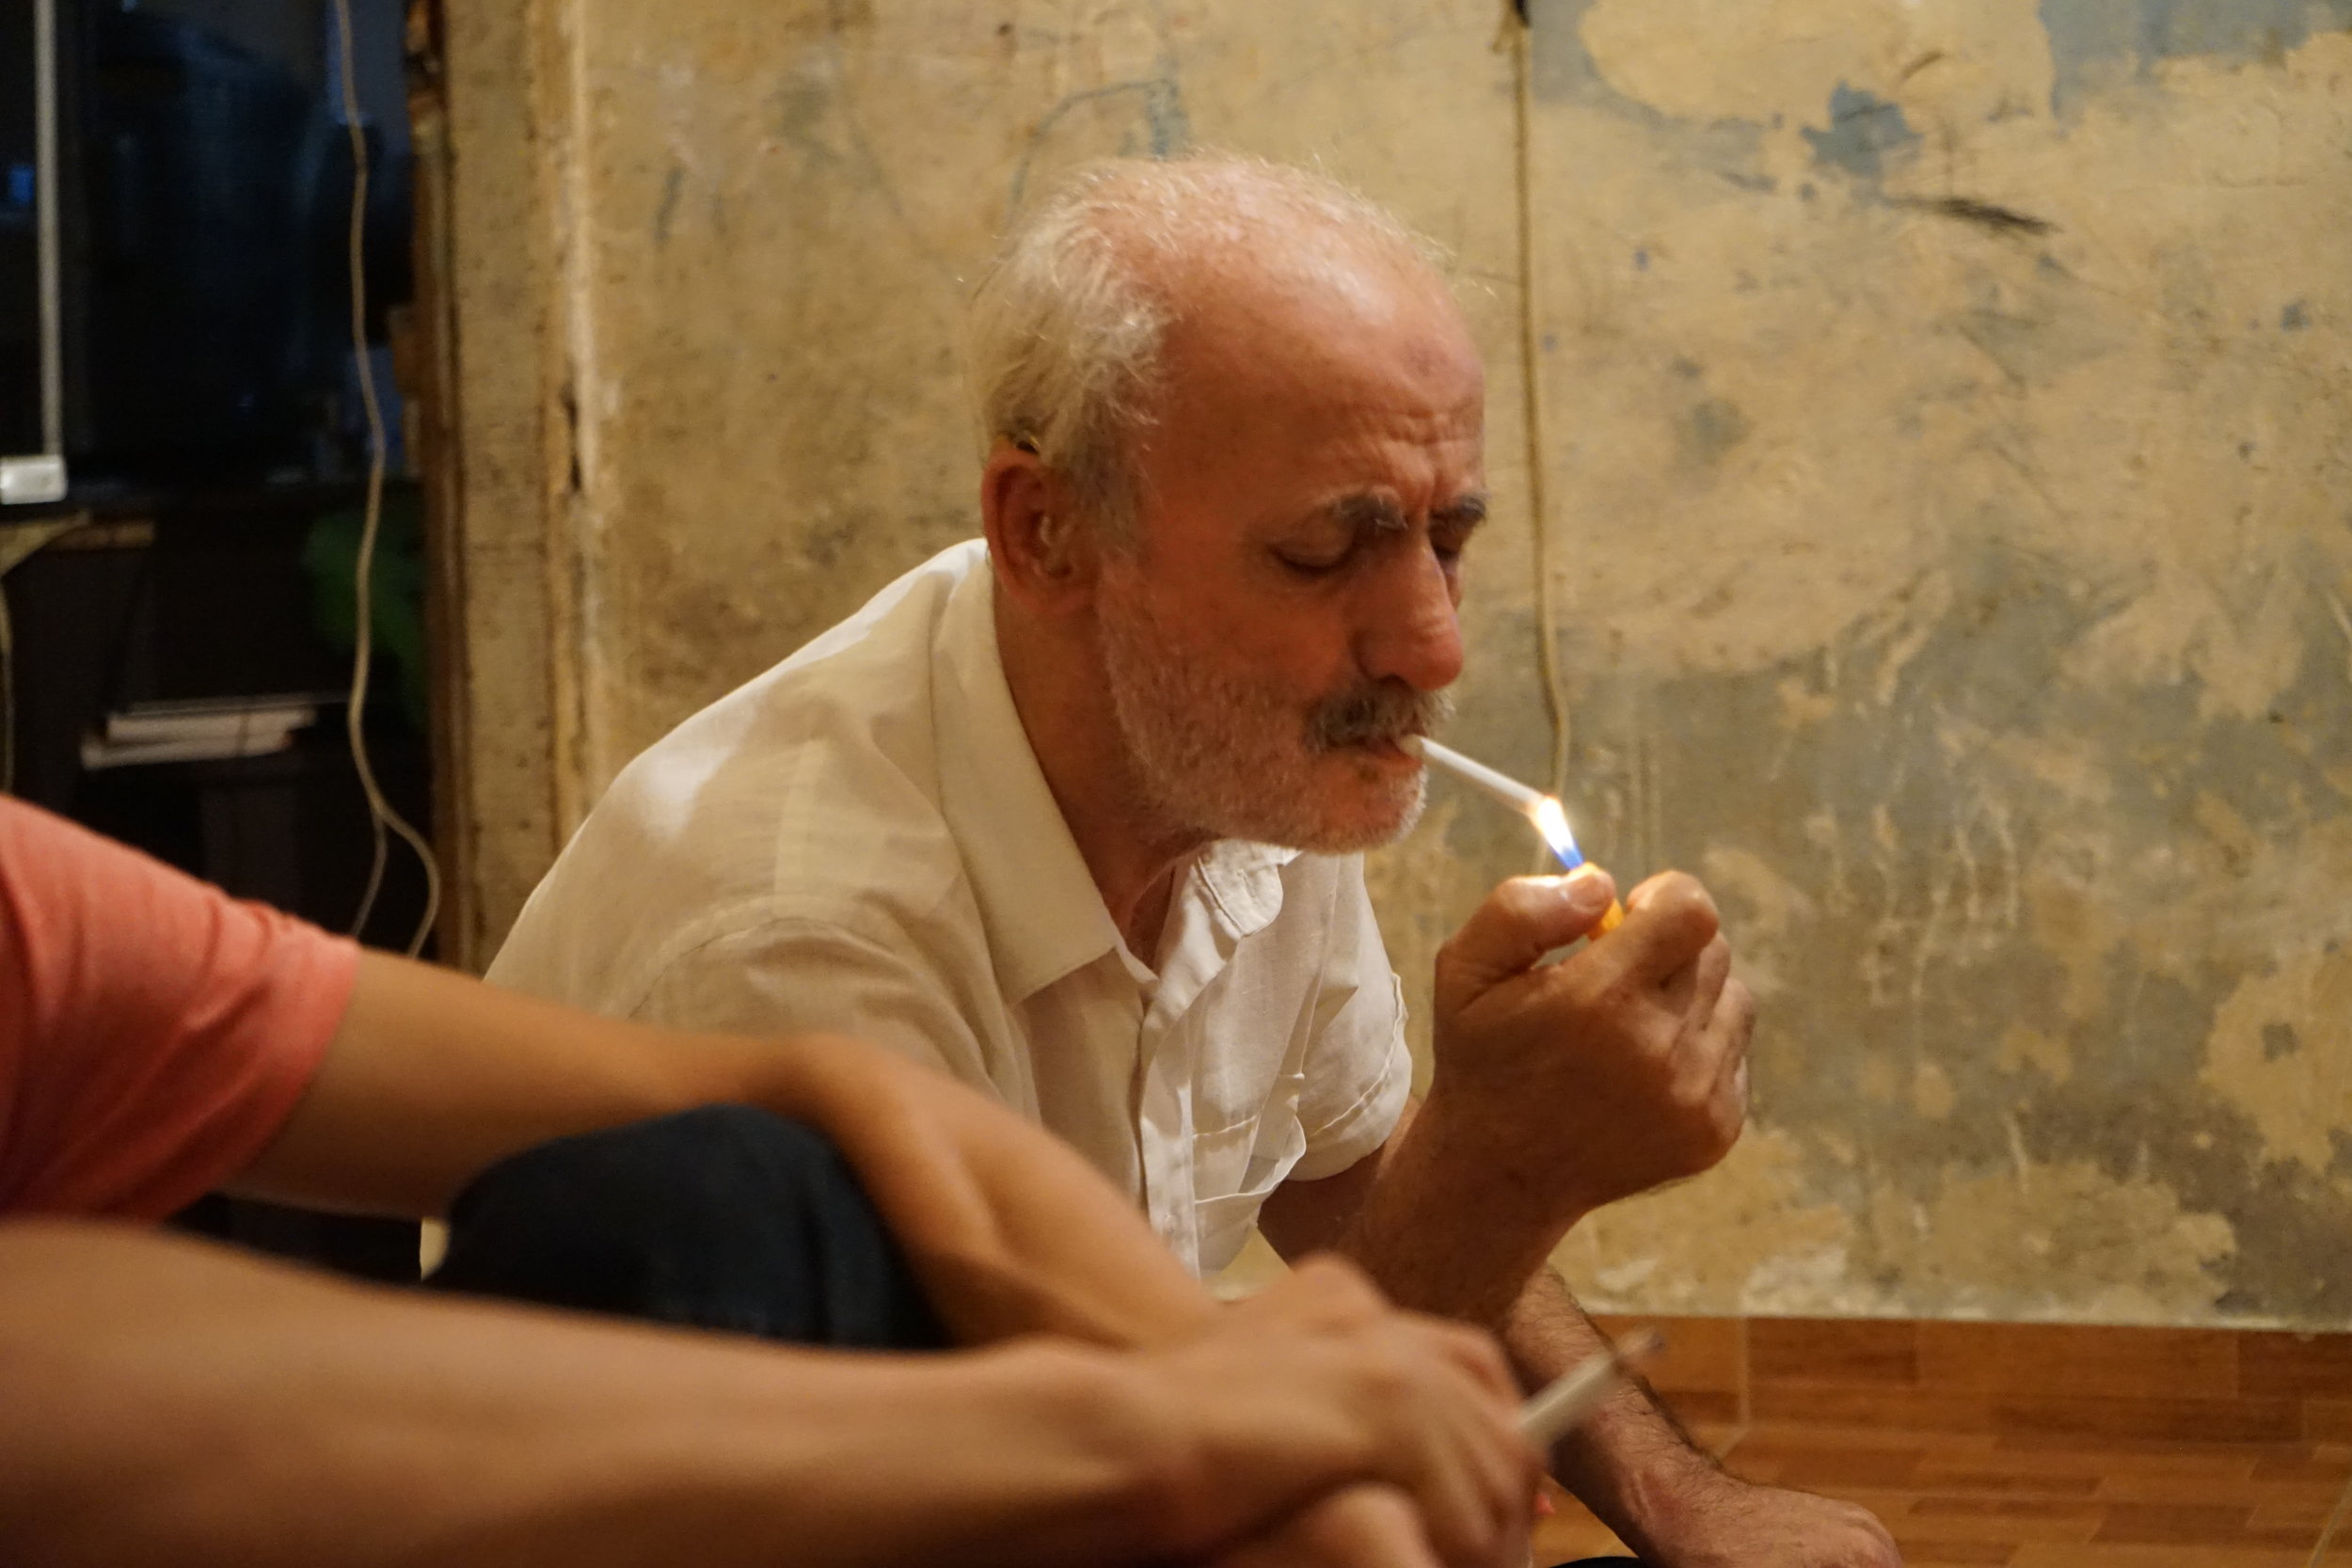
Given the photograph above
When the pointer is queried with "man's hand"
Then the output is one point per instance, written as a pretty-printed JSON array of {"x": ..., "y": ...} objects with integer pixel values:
[
  {"x": 1364, "y": 1527},
  {"x": 1425, "y": 1409},
  {"x": 1735, "y": 1525},
  {"x": 1615, "y": 1069}
]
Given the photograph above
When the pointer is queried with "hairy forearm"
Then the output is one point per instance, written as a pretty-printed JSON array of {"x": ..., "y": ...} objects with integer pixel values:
[
  {"x": 1405, "y": 1216},
  {"x": 171, "y": 1402},
  {"x": 1619, "y": 1458},
  {"x": 1401, "y": 1220},
  {"x": 433, "y": 1077},
  {"x": 1629, "y": 1462}
]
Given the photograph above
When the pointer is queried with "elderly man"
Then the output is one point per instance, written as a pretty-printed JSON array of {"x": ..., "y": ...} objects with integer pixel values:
[{"x": 1074, "y": 812}]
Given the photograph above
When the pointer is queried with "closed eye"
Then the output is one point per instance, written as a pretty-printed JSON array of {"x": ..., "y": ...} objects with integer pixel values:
[
  {"x": 1355, "y": 522},
  {"x": 1316, "y": 563},
  {"x": 1450, "y": 530}
]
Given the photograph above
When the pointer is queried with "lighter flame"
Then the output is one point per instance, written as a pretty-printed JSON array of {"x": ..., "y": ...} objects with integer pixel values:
[{"x": 1553, "y": 823}]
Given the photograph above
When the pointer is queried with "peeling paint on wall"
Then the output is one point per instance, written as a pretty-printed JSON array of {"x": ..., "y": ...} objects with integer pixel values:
[
  {"x": 2098, "y": 46},
  {"x": 1996, "y": 676}
]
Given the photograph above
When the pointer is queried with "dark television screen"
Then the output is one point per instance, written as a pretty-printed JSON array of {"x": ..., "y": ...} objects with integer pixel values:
[
  {"x": 207, "y": 183},
  {"x": 195, "y": 337},
  {"x": 19, "y": 250}
]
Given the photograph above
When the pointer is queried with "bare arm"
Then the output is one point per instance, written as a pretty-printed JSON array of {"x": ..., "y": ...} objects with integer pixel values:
[
  {"x": 433, "y": 1076},
  {"x": 172, "y": 1402}
]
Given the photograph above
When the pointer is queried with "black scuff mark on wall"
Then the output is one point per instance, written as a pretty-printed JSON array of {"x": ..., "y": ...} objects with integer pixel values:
[
  {"x": 1988, "y": 215},
  {"x": 665, "y": 211}
]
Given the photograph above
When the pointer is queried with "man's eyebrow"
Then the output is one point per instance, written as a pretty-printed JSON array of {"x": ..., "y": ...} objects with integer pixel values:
[
  {"x": 1369, "y": 514},
  {"x": 1379, "y": 515},
  {"x": 1465, "y": 512}
]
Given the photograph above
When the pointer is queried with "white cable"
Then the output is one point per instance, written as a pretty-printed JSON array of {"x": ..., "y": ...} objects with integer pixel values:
[
  {"x": 1517, "y": 26},
  {"x": 380, "y": 813}
]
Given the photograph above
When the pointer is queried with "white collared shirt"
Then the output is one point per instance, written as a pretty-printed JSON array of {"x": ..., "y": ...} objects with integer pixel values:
[{"x": 861, "y": 840}]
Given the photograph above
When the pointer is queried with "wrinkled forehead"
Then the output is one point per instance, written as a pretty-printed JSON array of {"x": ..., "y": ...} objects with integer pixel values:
[{"x": 1252, "y": 335}]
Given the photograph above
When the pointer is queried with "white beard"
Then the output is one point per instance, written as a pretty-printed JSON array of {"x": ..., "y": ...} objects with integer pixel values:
[{"x": 1219, "y": 757}]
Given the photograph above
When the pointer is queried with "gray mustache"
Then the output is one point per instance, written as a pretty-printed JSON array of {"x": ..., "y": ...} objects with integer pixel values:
[{"x": 1390, "y": 710}]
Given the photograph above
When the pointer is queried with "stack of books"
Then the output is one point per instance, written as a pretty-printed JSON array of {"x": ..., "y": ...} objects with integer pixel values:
[{"x": 201, "y": 729}]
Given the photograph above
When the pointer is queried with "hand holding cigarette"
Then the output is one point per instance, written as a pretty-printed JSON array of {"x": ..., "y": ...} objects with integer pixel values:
[
  {"x": 1557, "y": 1408},
  {"x": 1561, "y": 1087}
]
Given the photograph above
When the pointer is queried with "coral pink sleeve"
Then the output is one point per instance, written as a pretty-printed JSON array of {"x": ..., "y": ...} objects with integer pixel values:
[{"x": 154, "y": 1033}]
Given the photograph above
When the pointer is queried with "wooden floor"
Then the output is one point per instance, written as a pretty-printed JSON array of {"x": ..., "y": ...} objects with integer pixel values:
[
  {"x": 2025, "y": 1446},
  {"x": 1958, "y": 1499},
  {"x": 2043, "y": 1502}
]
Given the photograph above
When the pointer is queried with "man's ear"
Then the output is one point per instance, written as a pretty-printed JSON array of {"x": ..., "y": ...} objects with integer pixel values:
[{"x": 1045, "y": 555}]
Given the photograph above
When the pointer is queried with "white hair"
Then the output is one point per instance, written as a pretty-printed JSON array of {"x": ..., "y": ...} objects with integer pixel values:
[{"x": 1066, "y": 324}]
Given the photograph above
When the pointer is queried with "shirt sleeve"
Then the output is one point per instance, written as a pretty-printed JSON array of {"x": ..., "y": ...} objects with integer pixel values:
[
  {"x": 155, "y": 1034},
  {"x": 1359, "y": 1069},
  {"x": 791, "y": 976}
]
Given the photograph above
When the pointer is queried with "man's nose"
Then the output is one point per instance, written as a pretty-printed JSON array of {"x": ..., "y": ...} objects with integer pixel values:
[{"x": 1414, "y": 630}]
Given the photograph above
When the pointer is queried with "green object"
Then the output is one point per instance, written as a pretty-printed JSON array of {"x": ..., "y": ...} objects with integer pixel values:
[{"x": 330, "y": 557}]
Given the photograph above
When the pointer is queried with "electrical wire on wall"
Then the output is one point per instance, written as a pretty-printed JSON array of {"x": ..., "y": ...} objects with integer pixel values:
[
  {"x": 1517, "y": 34},
  {"x": 381, "y": 815}
]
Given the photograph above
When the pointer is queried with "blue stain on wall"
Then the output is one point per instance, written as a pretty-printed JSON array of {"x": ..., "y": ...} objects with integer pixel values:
[
  {"x": 1561, "y": 69},
  {"x": 2094, "y": 42},
  {"x": 2294, "y": 318},
  {"x": 1164, "y": 111},
  {"x": 1160, "y": 128},
  {"x": 1863, "y": 130}
]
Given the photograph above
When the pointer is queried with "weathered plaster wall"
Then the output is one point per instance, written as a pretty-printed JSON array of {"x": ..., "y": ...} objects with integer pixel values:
[
  {"x": 1950, "y": 442},
  {"x": 1947, "y": 470},
  {"x": 785, "y": 206}
]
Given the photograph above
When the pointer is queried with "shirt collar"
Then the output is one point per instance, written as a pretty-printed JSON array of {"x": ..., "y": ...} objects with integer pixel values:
[
  {"x": 1042, "y": 914},
  {"x": 1243, "y": 881}
]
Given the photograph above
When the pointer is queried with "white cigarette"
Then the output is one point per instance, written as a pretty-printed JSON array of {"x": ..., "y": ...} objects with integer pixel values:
[
  {"x": 1500, "y": 786},
  {"x": 1556, "y": 1409},
  {"x": 1542, "y": 811}
]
